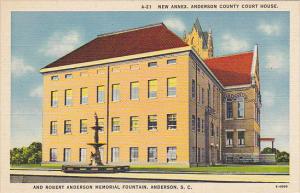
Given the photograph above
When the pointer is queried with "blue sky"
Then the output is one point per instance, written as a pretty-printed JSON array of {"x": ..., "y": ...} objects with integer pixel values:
[{"x": 39, "y": 38}]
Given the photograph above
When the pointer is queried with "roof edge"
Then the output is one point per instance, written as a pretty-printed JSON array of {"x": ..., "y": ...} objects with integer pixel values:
[
  {"x": 129, "y": 30},
  {"x": 253, "y": 65},
  {"x": 227, "y": 55},
  {"x": 117, "y": 59}
]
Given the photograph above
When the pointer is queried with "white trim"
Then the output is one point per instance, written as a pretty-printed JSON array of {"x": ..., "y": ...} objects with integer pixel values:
[
  {"x": 117, "y": 59},
  {"x": 253, "y": 66},
  {"x": 228, "y": 130},
  {"x": 237, "y": 86},
  {"x": 241, "y": 129}
]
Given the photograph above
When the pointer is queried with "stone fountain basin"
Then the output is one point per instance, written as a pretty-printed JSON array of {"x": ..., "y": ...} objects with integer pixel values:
[{"x": 94, "y": 169}]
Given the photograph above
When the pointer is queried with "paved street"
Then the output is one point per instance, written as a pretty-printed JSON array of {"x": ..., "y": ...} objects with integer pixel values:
[{"x": 31, "y": 176}]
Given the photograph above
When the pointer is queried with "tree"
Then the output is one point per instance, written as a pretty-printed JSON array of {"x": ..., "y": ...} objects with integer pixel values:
[
  {"x": 279, "y": 156},
  {"x": 283, "y": 157},
  {"x": 27, "y": 155}
]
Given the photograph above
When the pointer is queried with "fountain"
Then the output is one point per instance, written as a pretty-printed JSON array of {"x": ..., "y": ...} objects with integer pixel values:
[{"x": 96, "y": 165}]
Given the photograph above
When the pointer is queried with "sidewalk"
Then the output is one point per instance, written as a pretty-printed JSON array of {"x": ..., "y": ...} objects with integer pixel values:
[{"x": 195, "y": 177}]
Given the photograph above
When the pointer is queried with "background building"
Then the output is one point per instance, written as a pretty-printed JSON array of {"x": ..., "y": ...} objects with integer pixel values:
[{"x": 160, "y": 100}]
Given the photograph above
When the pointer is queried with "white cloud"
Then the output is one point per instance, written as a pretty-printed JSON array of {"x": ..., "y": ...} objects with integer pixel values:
[
  {"x": 175, "y": 24},
  {"x": 233, "y": 44},
  {"x": 61, "y": 43},
  {"x": 19, "y": 67},
  {"x": 269, "y": 28},
  {"x": 37, "y": 91},
  {"x": 275, "y": 60},
  {"x": 268, "y": 98}
]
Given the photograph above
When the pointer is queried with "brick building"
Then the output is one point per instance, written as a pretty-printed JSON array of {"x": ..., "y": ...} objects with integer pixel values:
[{"x": 160, "y": 99}]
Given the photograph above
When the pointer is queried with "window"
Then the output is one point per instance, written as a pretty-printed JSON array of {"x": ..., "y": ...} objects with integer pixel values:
[
  {"x": 152, "y": 154},
  {"x": 171, "y": 154},
  {"x": 115, "y": 69},
  {"x": 171, "y": 90},
  {"x": 67, "y": 154},
  {"x": 198, "y": 124},
  {"x": 101, "y": 124},
  {"x": 229, "y": 112},
  {"x": 101, "y": 150},
  {"x": 67, "y": 76},
  {"x": 241, "y": 137},
  {"x": 53, "y": 127},
  {"x": 152, "y": 122},
  {"x": 193, "y": 88},
  {"x": 212, "y": 133},
  {"x": 83, "y": 74},
  {"x": 199, "y": 93},
  {"x": 55, "y": 77},
  {"x": 53, "y": 154},
  {"x": 115, "y": 124},
  {"x": 54, "y": 99},
  {"x": 134, "y": 67},
  {"x": 171, "y": 121},
  {"x": 134, "y": 123},
  {"x": 101, "y": 71},
  {"x": 241, "y": 107},
  {"x": 134, "y": 90},
  {"x": 172, "y": 61},
  {"x": 193, "y": 122},
  {"x": 202, "y": 126},
  {"x": 229, "y": 138},
  {"x": 68, "y": 97},
  {"x": 83, "y": 96},
  {"x": 134, "y": 154},
  {"x": 100, "y": 94},
  {"x": 202, "y": 96},
  {"x": 115, "y": 92},
  {"x": 67, "y": 127},
  {"x": 115, "y": 152},
  {"x": 82, "y": 154},
  {"x": 83, "y": 125},
  {"x": 199, "y": 155},
  {"x": 152, "y": 64},
  {"x": 152, "y": 88},
  {"x": 208, "y": 95}
]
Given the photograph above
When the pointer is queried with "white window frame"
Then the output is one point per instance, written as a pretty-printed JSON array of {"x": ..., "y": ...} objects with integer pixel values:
[
  {"x": 82, "y": 154},
  {"x": 115, "y": 154},
  {"x": 240, "y": 100},
  {"x": 171, "y": 61},
  {"x": 67, "y": 154},
  {"x": 133, "y": 95},
  {"x": 100, "y": 95},
  {"x": 171, "y": 154},
  {"x": 134, "y": 154},
  {"x": 151, "y": 127},
  {"x": 170, "y": 126},
  {"x": 154, "y": 158},
  {"x": 238, "y": 140},
  {"x": 116, "y": 93},
  {"x": 53, "y": 155},
  {"x": 226, "y": 140},
  {"x": 53, "y": 127},
  {"x": 226, "y": 115}
]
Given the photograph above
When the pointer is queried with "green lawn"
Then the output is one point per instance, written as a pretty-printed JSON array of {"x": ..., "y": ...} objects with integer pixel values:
[
  {"x": 216, "y": 169},
  {"x": 222, "y": 169}
]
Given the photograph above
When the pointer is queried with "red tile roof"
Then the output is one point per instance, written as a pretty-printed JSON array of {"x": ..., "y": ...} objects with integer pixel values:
[
  {"x": 135, "y": 41},
  {"x": 233, "y": 69}
]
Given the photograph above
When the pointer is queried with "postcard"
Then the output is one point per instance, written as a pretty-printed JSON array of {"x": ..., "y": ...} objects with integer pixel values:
[{"x": 150, "y": 96}]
